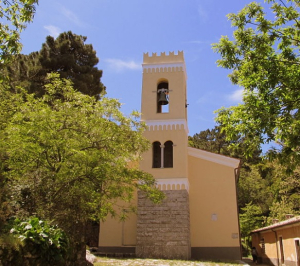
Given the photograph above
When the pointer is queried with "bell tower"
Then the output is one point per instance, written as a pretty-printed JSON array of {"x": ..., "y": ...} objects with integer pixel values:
[
  {"x": 164, "y": 110},
  {"x": 163, "y": 231}
]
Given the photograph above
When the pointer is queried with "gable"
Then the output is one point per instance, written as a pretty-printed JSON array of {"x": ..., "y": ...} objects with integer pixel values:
[{"x": 213, "y": 157}]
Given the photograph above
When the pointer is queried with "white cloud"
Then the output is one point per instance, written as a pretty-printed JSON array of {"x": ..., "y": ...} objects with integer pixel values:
[
  {"x": 120, "y": 65},
  {"x": 202, "y": 13},
  {"x": 199, "y": 42},
  {"x": 237, "y": 96},
  {"x": 215, "y": 97},
  {"x": 71, "y": 16},
  {"x": 53, "y": 31},
  {"x": 204, "y": 118},
  {"x": 207, "y": 98},
  {"x": 202, "y": 100}
]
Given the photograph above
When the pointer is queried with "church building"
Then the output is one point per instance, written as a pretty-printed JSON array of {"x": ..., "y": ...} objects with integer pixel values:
[{"x": 198, "y": 219}]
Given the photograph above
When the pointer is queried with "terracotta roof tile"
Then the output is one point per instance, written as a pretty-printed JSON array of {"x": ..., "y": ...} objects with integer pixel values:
[{"x": 279, "y": 224}]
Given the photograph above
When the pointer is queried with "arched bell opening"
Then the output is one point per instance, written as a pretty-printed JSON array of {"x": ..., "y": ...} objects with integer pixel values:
[
  {"x": 163, "y": 97},
  {"x": 156, "y": 153},
  {"x": 162, "y": 154},
  {"x": 168, "y": 154}
]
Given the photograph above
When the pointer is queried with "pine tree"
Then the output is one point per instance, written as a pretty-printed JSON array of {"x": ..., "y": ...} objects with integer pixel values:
[{"x": 67, "y": 55}]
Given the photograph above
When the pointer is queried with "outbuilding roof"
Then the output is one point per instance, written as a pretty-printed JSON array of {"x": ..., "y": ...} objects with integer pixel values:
[{"x": 279, "y": 224}]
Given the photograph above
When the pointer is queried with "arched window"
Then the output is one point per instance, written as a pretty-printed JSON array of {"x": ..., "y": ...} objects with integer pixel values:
[
  {"x": 156, "y": 151},
  {"x": 168, "y": 154},
  {"x": 162, "y": 155},
  {"x": 162, "y": 97}
]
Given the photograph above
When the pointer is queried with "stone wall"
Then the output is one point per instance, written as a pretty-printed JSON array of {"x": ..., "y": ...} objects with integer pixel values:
[{"x": 163, "y": 230}]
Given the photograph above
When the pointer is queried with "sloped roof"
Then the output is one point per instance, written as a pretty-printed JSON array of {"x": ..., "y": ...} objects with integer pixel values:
[
  {"x": 279, "y": 224},
  {"x": 213, "y": 157}
]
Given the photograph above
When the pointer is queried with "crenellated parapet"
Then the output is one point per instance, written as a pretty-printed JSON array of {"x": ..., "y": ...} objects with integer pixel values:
[
  {"x": 164, "y": 63},
  {"x": 163, "y": 58}
]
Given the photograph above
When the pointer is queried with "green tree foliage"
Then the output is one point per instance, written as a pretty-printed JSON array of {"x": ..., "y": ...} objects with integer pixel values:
[
  {"x": 67, "y": 55},
  {"x": 69, "y": 158},
  {"x": 253, "y": 188},
  {"x": 215, "y": 140},
  {"x": 269, "y": 187},
  {"x": 264, "y": 57},
  {"x": 8, "y": 106},
  {"x": 290, "y": 188},
  {"x": 14, "y": 16},
  {"x": 250, "y": 219},
  {"x": 279, "y": 210},
  {"x": 286, "y": 192},
  {"x": 23, "y": 71},
  {"x": 73, "y": 59}
]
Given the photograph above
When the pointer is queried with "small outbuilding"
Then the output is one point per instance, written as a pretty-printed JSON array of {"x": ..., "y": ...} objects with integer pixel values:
[{"x": 279, "y": 243}]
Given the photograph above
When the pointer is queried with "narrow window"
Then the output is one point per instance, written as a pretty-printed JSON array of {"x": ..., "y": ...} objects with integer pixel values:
[
  {"x": 163, "y": 97},
  {"x": 168, "y": 154},
  {"x": 156, "y": 151},
  {"x": 263, "y": 248}
]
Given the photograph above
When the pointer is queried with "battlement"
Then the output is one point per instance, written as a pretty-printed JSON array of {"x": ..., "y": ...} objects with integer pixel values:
[{"x": 163, "y": 58}]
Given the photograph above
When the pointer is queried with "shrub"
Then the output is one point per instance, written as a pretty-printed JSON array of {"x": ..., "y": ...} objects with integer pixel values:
[{"x": 37, "y": 243}]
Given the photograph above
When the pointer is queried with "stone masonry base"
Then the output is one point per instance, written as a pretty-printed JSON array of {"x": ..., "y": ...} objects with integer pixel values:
[{"x": 163, "y": 230}]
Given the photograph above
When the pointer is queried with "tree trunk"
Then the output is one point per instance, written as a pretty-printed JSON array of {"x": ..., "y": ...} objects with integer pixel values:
[
  {"x": 81, "y": 253},
  {"x": 79, "y": 246}
]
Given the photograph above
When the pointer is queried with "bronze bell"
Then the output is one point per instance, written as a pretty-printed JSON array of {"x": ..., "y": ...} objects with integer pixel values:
[{"x": 163, "y": 97}]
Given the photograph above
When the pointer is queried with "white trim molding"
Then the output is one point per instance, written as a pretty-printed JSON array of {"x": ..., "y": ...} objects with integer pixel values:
[
  {"x": 173, "y": 183},
  {"x": 164, "y": 67},
  {"x": 213, "y": 157},
  {"x": 170, "y": 124}
]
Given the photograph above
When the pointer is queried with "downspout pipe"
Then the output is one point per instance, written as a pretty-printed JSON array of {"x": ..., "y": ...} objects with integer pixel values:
[
  {"x": 237, "y": 175},
  {"x": 276, "y": 239}
]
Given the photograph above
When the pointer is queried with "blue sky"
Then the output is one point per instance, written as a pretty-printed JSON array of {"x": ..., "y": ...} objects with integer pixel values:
[{"x": 121, "y": 31}]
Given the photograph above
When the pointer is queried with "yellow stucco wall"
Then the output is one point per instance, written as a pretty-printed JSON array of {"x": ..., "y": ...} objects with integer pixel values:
[
  {"x": 116, "y": 233},
  {"x": 110, "y": 232},
  {"x": 270, "y": 244},
  {"x": 213, "y": 206},
  {"x": 289, "y": 234}
]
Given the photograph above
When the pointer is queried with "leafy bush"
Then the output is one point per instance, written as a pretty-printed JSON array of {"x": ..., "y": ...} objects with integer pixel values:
[{"x": 40, "y": 244}]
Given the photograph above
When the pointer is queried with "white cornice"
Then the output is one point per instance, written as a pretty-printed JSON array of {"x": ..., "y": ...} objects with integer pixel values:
[
  {"x": 165, "y": 67},
  {"x": 215, "y": 158},
  {"x": 172, "y": 183},
  {"x": 168, "y": 123},
  {"x": 159, "y": 65}
]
